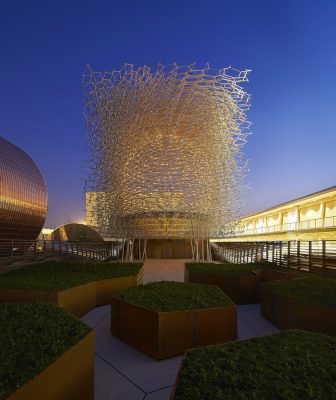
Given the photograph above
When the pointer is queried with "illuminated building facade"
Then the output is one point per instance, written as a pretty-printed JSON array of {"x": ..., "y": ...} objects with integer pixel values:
[
  {"x": 165, "y": 145},
  {"x": 311, "y": 217},
  {"x": 23, "y": 194}
]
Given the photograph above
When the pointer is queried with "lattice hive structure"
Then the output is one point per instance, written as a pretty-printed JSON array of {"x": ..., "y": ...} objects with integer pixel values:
[{"x": 165, "y": 148}]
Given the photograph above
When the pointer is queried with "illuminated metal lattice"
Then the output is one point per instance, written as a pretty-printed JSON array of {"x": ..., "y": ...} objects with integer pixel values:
[{"x": 165, "y": 150}]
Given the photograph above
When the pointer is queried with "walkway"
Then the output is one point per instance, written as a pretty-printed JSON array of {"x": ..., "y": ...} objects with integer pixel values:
[{"x": 124, "y": 373}]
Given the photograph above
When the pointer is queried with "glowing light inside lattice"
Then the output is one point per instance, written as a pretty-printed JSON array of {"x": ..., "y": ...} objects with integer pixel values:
[{"x": 165, "y": 147}]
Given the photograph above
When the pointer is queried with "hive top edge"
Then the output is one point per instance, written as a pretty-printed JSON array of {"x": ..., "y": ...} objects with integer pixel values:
[{"x": 173, "y": 69}]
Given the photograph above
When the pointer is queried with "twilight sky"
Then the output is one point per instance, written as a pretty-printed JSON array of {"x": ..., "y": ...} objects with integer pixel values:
[{"x": 289, "y": 44}]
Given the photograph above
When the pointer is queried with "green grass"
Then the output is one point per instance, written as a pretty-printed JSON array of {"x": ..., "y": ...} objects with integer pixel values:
[
  {"x": 32, "y": 336},
  {"x": 291, "y": 365},
  {"x": 176, "y": 296},
  {"x": 233, "y": 270},
  {"x": 311, "y": 291},
  {"x": 54, "y": 276}
]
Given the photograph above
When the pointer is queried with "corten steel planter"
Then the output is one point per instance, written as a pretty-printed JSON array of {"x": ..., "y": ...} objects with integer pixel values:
[
  {"x": 286, "y": 314},
  {"x": 167, "y": 334},
  {"x": 79, "y": 299},
  {"x": 264, "y": 275},
  {"x": 69, "y": 377},
  {"x": 173, "y": 392},
  {"x": 242, "y": 290},
  {"x": 107, "y": 288}
]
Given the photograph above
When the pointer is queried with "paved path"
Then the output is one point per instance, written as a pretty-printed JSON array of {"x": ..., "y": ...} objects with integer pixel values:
[
  {"x": 124, "y": 373},
  {"x": 164, "y": 270}
]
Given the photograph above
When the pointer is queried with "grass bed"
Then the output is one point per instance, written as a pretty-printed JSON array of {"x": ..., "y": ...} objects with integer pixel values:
[
  {"x": 54, "y": 276},
  {"x": 312, "y": 291},
  {"x": 290, "y": 365},
  {"x": 176, "y": 296},
  {"x": 32, "y": 336},
  {"x": 234, "y": 270}
]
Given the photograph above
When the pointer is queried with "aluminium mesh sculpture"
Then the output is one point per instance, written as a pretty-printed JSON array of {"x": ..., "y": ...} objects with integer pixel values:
[{"x": 165, "y": 146}]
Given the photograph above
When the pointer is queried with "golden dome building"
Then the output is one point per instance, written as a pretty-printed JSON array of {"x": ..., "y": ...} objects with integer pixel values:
[{"x": 23, "y": 194}]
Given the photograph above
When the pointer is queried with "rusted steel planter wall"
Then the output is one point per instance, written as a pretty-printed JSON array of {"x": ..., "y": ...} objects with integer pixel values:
[
  {"x": 78, "y": 300},
  {"x": 242, "y": 290},
  {"x": 286, "y": 314},
  {"x": 71, "y": 376},
  {"x": 268, "y": 276},
  {"x": 107, "y": 288},
  {"x": 264, "y": 276},
  {"x": 173, "y": 392},
  {"x": 166, "y": 334}
]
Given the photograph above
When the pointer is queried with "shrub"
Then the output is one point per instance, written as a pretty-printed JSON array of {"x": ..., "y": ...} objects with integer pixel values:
[
  {"x": 289, "y": 365},
  {"x": 32, "y": 336},
  {"x": 56, "y": 276},
  {"x": 176, "y": 296},
  {"x": 233, "y": 270},
  {"x": 312, "y": 291}
]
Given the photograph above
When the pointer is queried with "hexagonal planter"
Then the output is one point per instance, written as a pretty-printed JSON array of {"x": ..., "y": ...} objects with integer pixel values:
[
  {"x": 107, "y": 288},
  {"x": 264, "y": 276},
  {"x": 79, "y": 299},
  {"x": 286, "y": 313},
  {"x": 163, "y": 334},
  {"x": 230, "y": 371},
  {"x": 48, "y": 368},
  {"x": 242, "y": 289}
]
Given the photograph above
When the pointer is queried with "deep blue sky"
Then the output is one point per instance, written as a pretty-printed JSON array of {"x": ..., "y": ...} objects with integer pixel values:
[{"x": 290, "y": 45}]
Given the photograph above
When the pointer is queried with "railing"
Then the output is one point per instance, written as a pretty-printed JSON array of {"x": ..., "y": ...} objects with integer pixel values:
[
  {"x": 313, "y": 256},
  {"x": 319, "y": 223},
  {"x": 23, "y": 252}
]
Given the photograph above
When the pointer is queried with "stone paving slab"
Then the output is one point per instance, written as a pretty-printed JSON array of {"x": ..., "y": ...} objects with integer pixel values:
[
  {"x": 97, "y": 315},
  {"x": 162, "y": 394},
  {"x": 245, "y": 331},
  {"x": 111, "y": 385},
  {"x": 250, "y": 314}
]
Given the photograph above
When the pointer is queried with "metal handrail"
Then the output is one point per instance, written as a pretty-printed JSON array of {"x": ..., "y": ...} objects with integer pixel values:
[
  {"x": 318, "y": 256},
  {"x": 319, "y": 223},
  {"x": 25, "y": 251}
]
